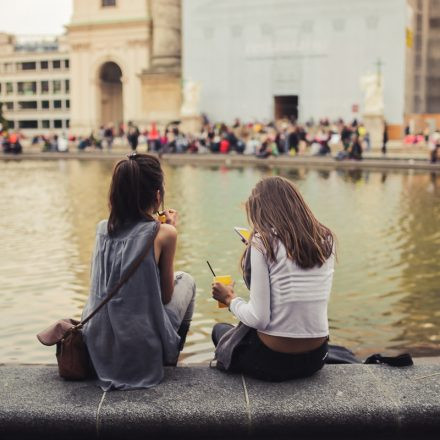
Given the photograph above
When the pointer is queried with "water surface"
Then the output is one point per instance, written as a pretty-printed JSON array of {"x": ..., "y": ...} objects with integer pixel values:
[{"x": 386, "y": 290}]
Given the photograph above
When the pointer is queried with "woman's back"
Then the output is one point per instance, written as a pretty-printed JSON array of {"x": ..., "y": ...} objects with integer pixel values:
[
  {"x": 131, "y": 338},
  {"x": 298, "y": 297}
]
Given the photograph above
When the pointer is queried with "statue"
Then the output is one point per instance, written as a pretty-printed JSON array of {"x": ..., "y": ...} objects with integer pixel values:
[
  {"x": 372, "y": 86},
  {"x": 191, "y": 99}
]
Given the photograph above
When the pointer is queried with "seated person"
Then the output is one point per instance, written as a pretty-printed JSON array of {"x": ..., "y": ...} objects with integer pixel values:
[
  {"x": 288, "y": 266},
  {"x": 144, "y": 326}
]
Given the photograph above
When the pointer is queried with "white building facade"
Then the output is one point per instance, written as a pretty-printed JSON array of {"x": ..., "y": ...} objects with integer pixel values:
[
  {"x": 125, "y": 62},
  {"x": 262, "y": 59},
  {"x": 35, "y": 83},
  {"x": 119, "y": 62}
]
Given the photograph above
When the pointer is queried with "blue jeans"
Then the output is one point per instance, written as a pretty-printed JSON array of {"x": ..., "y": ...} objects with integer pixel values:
[{"x": 181, "y": 307}]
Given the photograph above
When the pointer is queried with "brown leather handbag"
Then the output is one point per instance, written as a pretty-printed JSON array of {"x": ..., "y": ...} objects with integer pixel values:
[{"x": 72, "y": 356}]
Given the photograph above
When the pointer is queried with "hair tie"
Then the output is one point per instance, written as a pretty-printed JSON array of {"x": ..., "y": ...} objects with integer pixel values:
[{"x": 132, "y": 156}]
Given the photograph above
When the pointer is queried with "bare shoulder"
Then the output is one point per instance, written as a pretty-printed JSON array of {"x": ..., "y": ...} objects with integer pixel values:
[{"x": 167, "y": 233}]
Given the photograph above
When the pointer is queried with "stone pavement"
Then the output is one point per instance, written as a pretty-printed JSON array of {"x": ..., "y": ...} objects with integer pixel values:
[{"x": 341, "y": 401}]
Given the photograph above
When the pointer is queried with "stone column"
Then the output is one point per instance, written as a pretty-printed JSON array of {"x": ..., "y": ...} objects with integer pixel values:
[{"x": 166, "y": 16}]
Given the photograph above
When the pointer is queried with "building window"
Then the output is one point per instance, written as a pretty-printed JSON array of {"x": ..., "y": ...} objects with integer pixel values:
[
  {"x": 67, "y": 103},
  {"x": 0, "y": 88},
  {"x": 45, "y": 104},
  {"x": 27, "y": 105},
  {"x": 58, "y": 123},
  {"x": 434, "y": 23},
  {"x": 67, "y": 123},
  {"x": 45, "y": 123},
  {"x": 56, "y": 64},
  {"x": 418, "y": 42},
  {"x": 67, "y": 86},
  {"x": 9, "y": 88},
  {"x": 11, "y": 124},
  {"x": 56, "y": 86},
  {"x": 105, "y": 3},
  {"x": 66, "y": 64},
  {"x": 9, "y": 105},
  {"x": 44, "y": 87},
  {"x": 28, "y": 124},
  {"x": 57, "y": 103},
  {"x": 31, "y": 65},
  {"x": 27, "y": 88},
  {"x": 44, "y": 65}
]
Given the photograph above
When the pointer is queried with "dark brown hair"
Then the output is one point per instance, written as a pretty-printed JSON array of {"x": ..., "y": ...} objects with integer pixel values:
[
  {"x": 276, "y": 210},
  {"x": 133, "y": 190}
]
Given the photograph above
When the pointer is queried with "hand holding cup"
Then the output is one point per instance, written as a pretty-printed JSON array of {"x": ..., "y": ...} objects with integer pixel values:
[
  {"x": 169, "y": 216},
  {"x": 223, "y": 290}
]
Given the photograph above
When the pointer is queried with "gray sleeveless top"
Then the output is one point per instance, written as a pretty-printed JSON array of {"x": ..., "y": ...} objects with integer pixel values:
[{"x": 130, "y": 338}]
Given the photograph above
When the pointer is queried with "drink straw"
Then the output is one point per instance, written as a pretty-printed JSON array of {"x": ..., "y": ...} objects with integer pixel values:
[{"x": 211, "y": 268}]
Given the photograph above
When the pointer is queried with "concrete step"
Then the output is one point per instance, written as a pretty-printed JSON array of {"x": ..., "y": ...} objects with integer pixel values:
[{"x": 340, "y": 401}]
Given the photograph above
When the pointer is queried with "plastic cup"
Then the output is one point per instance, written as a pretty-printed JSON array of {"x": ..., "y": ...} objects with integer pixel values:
[{"x": 227, "y": 281}]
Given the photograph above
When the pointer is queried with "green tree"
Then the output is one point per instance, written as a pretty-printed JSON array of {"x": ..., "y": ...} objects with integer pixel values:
[{"x": 3, "y": 121}]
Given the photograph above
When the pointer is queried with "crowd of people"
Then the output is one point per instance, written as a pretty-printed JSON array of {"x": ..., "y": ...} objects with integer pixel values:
[
  {"x": 338, "y": 139},
  {"x": 10, "y": 142},
  {"x": 259, "y": 139}
]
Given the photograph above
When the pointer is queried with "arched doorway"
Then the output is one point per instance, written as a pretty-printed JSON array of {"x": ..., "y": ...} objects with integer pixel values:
[{"x": 110, "y": 76}]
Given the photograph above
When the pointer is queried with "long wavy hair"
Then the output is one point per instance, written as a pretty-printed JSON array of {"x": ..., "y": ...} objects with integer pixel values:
[
  {"x": 133, "y": 190},
  {"x": 277, "y": 211}
]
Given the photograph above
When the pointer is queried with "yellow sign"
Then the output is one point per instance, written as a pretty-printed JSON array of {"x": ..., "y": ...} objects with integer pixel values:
[{"x": 409, "y": 38}]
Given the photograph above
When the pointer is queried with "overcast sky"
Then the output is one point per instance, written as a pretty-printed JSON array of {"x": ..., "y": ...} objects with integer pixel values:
[{"x": 30, "y": 17}]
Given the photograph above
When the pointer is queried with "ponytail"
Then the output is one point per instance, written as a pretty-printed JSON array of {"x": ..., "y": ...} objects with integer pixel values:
[{"x": 133, "y": 190}]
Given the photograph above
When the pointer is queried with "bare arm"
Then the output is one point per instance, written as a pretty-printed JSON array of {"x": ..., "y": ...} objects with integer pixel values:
[{"x": 168, "y": 240}]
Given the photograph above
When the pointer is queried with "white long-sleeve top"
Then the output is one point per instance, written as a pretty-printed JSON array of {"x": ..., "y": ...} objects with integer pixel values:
[{"x": 286, "y": 300}]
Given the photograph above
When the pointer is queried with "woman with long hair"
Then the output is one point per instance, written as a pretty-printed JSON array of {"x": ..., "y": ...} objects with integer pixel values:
[
  {"x": 288, "y": 266},
  {"x": 143, "y": 327}
]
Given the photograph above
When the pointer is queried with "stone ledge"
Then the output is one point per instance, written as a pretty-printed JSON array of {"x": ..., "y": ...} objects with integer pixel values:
[
  {"x": 341, "y": 401},
  {"x": 235, "y": 160}
]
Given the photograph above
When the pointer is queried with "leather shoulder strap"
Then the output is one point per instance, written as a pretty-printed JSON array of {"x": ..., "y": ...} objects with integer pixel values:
[{"x": 125, "y": 277}]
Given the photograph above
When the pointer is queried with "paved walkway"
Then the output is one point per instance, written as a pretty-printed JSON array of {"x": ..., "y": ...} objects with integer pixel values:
[{"x": 341, "y": 401}]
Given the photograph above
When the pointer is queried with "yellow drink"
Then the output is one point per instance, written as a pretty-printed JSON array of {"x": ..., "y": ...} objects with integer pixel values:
[{"x": 227, "y": 281}]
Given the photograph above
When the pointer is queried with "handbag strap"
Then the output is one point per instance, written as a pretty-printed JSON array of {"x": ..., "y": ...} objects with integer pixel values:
[{"x": 131, "y": 270}]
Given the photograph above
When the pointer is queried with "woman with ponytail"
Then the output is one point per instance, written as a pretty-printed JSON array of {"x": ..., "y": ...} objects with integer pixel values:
[
  {"x": 288, "y": 267},
  {"x": 144, "y": 326}
]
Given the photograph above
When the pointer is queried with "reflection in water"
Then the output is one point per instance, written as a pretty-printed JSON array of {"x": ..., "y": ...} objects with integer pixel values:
[
  {"x": 386, "y": 286},
  {"x": 420, "y": 238}
]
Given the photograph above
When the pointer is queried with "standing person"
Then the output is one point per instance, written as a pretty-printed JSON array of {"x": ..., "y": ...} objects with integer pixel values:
[
  {"x": 355, "y": 151},
  {"x": 14, "y": 144},
  {"x": 153, "y": 138},
  {"x": 434, "y": 146},
  {"x": 63, "y": 143},
  {"x": 144, "y": 326},
  {"x": 109, "y": 136},
  {"x": 293, "y": 140},
  {"x": 288, "y": 266},
  {"x": 133, "y": 136},
  {"x": 384, "y": 138},
  {"x": 346, "y": 137}
]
